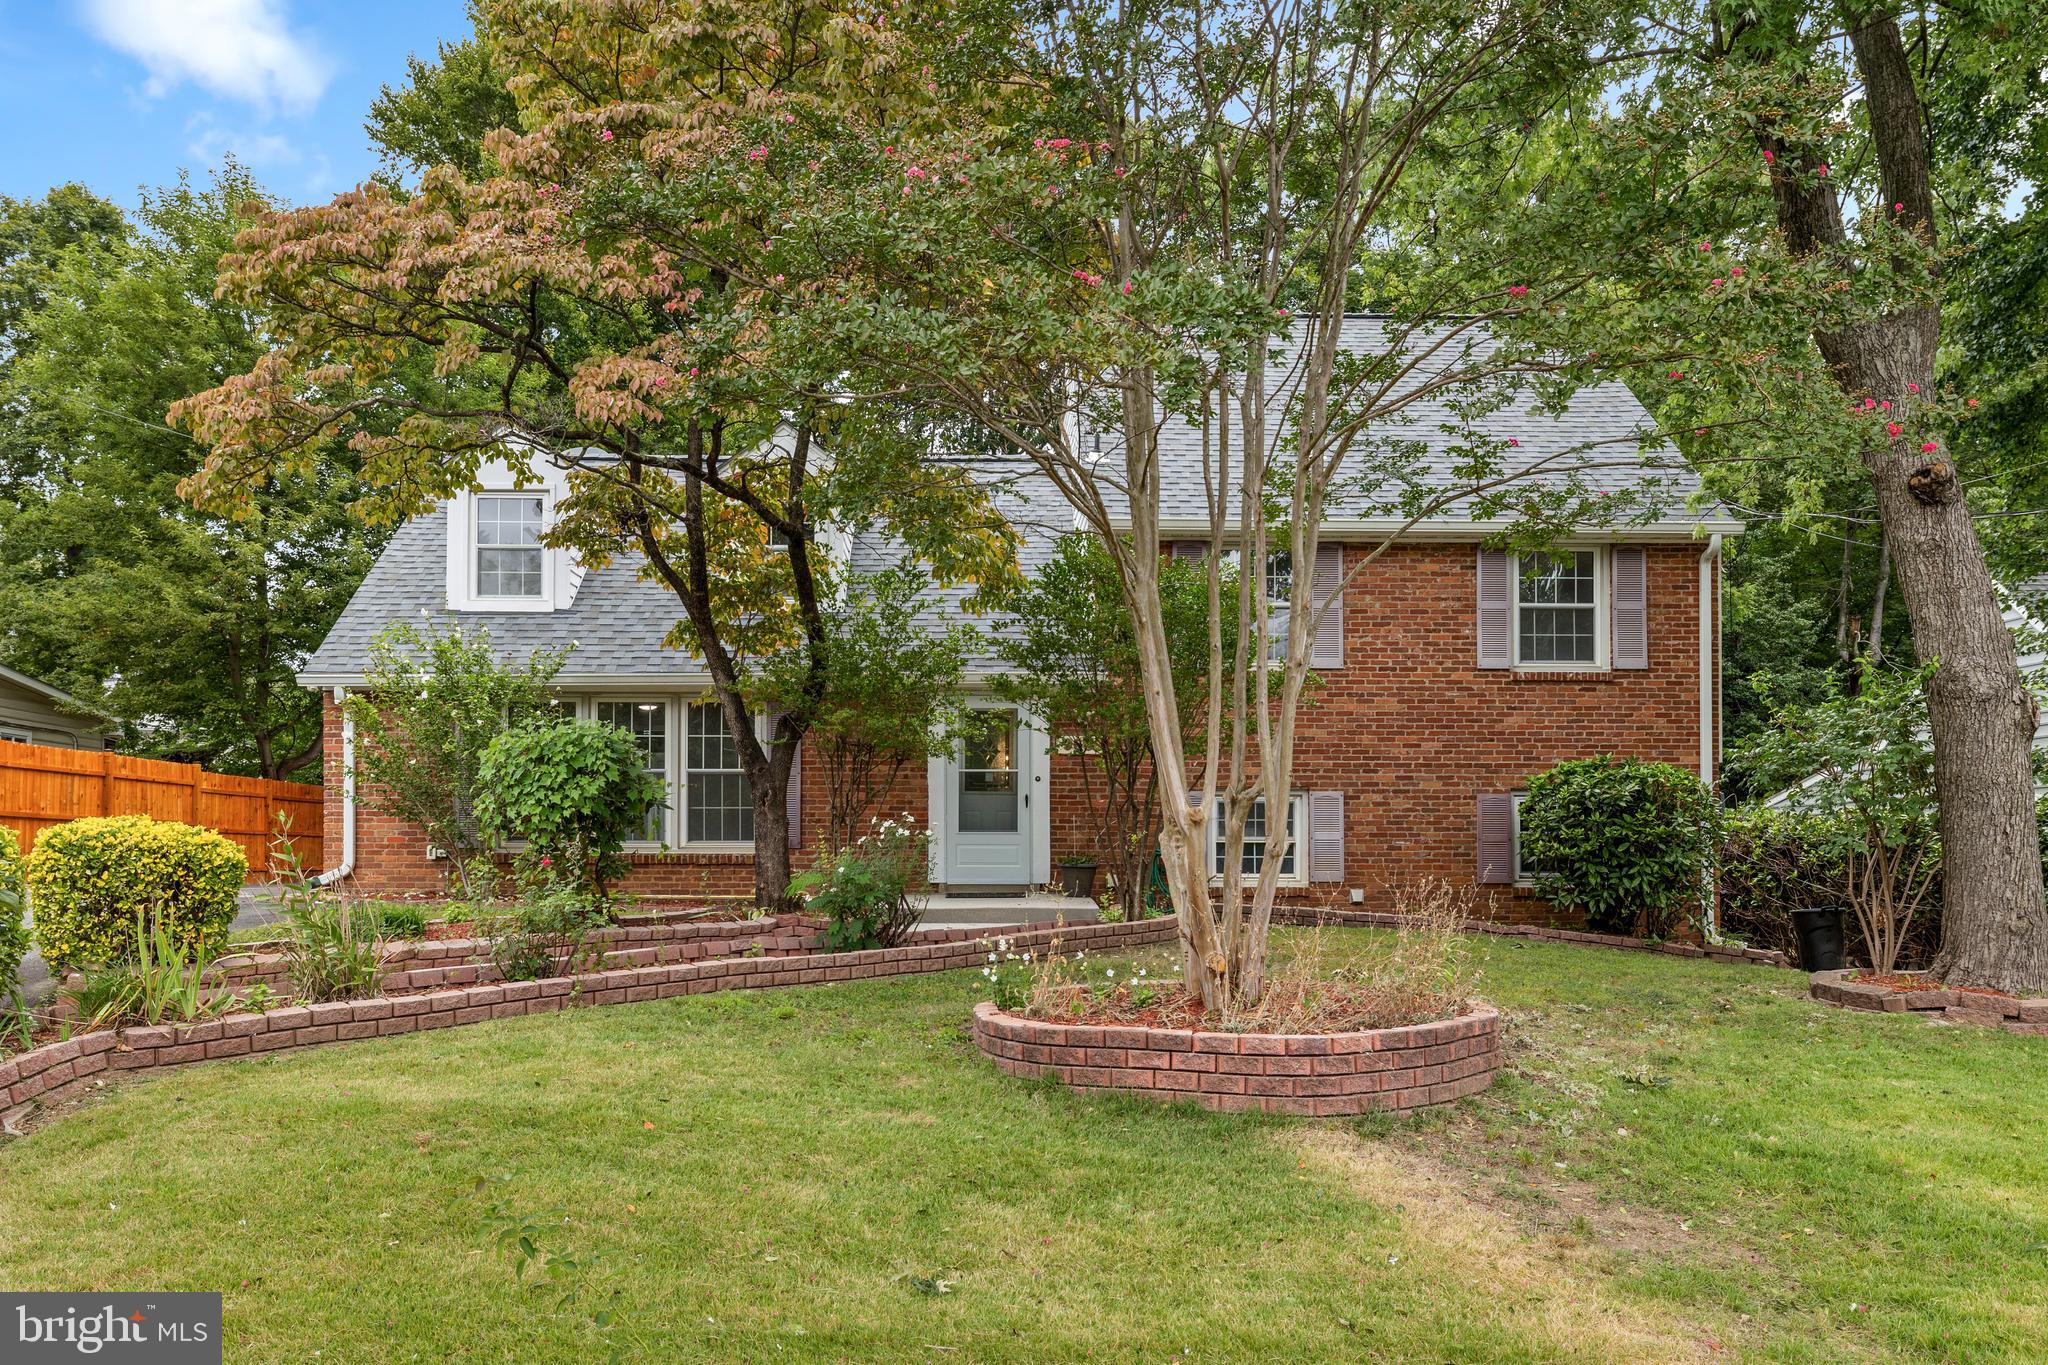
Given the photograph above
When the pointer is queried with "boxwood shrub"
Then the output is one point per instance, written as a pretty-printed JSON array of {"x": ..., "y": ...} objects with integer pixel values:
[
  {"x": 1632, "y": 844},
  {"x": 13, "y": 908},
  {"x": 89, "y": 879}
]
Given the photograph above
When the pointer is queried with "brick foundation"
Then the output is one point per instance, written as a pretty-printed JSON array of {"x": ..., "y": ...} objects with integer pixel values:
[
  {"x": 1957, "y": 1007},
  {"x": 1315, "y": 1075}
]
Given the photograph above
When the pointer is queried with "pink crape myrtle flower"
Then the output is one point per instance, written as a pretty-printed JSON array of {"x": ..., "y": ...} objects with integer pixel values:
[
  {"x": 1912, "y": 388},
  {"x": 605, "y": 136},
  {"x": 1770, "y": 157},
  {"x": 757, "y": 153},
  {"x": 1928, "y": 447},
  {"x": 1892, "y": 429},
  {"x": 1514, "y": 441}
]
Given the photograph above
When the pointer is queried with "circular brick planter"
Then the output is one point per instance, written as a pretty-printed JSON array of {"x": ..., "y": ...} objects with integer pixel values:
[
  {"x": 1961, "y": 1007},
  {"x": 1312, "y": 1074}
]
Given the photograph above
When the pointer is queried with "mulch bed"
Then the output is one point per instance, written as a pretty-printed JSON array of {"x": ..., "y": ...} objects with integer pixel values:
[
  {"x": 1898, "y": 981},
  {"x": 1177, "y": 1007}
]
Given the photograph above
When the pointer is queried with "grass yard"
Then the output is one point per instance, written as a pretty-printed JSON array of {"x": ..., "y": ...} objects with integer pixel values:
[{"x": 1687, "y": 1162}]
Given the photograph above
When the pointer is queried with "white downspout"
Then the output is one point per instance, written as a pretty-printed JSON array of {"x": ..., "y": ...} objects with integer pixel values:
[
  {"x": 1710, "y": 692},
  {"x": 347, "y": 865}
]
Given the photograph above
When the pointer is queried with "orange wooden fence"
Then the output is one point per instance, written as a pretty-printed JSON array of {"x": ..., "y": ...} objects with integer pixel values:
[{"x": 41, "y": 786}]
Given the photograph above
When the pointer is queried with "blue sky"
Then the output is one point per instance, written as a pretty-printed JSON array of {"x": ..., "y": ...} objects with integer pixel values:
[{"x": 119, "y": 94}]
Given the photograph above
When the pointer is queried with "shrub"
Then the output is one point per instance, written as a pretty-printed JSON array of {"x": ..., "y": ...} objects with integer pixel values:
[
  {"x": 334, "y": 945},
  {"x": 864, "y": 890},
  {"x": 1623, "y": 840},
  {"x": 403, "y": 921},
  {"x": 88, "y": 881},
  {"x": 13, "y": 904},
  {"x": 158, "y": 981},
  {"x": 573, "y": 791},
  {"x": 548, "y": 932}
]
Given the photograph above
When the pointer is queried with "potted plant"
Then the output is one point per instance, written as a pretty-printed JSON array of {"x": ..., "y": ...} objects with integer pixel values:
[{"x": 1077, "y": 876}]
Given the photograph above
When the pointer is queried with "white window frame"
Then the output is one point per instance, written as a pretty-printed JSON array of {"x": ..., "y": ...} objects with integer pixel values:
[
  {"x": 1522, "y": 877},
  {"x": 560, "y": 573},
  {"x": 586, "y": 709},
  {"x": 476, "y": 547},
  {"x": 1297, "y": 812},
  {"x": 19, "y": 736},
  {"x": 683, "y": 786},
  {"x": 1601, "y": 607}
]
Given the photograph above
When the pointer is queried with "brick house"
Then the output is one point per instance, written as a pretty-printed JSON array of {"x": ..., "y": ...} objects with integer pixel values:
[{"x": 1450, "y": 673}]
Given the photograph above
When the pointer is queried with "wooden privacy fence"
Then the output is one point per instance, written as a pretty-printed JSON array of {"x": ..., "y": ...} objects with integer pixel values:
[{"x": 41, "y": 786}]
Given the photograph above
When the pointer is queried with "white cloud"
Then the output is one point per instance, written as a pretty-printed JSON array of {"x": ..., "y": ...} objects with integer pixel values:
[
  {"x": 238, "y": 48},
  {"x": 275, "y": 155}
]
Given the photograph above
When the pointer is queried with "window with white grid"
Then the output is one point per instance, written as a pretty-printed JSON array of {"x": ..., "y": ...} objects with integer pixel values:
[
  {"x": 719, "y": 802},
  {"x": 1557, "y": 609},
  {"x": 647, "y": 723},
  {"x": 508, "y": 549}
]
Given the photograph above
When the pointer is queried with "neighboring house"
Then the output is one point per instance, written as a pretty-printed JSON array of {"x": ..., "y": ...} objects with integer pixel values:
[
  {"x": 33, "y": 712},
  {"x": 1449, "y": 676}
]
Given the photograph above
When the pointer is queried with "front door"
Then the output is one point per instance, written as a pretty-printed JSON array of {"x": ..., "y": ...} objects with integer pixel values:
[{"x": 988, "y": 834}]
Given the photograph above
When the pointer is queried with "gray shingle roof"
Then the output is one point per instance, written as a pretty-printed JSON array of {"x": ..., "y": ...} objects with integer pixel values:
[
  {"x": 617, "y": 621},
  {"x": 1602, "y": 425}
]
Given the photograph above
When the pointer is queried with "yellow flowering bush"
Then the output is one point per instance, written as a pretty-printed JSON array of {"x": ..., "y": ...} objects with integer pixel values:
[
  {"x": 89, "y": 879},
  {"x": 13, "y": 905}
]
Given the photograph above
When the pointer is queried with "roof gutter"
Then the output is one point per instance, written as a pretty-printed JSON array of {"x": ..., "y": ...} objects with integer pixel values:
[{"x": 347, "y": 866}]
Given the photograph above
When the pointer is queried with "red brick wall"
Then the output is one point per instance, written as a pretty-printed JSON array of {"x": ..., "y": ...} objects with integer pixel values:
[{"x": 1411, "y": 730}]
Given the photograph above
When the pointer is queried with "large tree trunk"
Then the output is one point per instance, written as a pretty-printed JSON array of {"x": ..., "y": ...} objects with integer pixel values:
[{"x": 1995, "y": 925}]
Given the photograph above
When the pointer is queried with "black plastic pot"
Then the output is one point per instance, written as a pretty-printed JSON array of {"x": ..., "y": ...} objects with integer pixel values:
[
  {"x": 1820, "y": 939},
  {"x": 1078, "y": 879}
]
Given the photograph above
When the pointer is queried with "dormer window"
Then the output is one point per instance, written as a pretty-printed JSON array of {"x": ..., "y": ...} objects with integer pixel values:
[{"x": 509, "y": 560}]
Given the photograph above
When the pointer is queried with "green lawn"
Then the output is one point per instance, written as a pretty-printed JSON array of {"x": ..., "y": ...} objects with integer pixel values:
[{"x": 1688, "y": 1162}]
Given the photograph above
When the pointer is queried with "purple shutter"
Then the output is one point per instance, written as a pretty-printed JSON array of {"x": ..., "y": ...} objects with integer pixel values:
[
  {"x": 793, "y": 798},
  {"x": 1326, "y": 836},
  {"x": 1189, "y": 549},
  {"x": 1496, "y": 839},
  {"x": 1496, "y": 609},
  {"x": 1327, "y": 650},
  {"x": 1631, "y": 607}
]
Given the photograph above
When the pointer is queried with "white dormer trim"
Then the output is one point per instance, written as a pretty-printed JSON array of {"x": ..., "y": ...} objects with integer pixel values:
[{"x": 561, "y": 572}]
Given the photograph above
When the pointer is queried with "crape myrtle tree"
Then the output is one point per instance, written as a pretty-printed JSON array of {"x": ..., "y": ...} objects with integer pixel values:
[
  {"x": 1071, "y": 658},
  {"x": 1824, "y": 139},
  {"x": 1179, "y": 226},
  {"x": 601, "y": 292}
]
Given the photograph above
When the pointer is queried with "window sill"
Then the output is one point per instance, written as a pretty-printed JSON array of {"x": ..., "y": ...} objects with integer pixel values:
[{"x": 1562, "y": 675}]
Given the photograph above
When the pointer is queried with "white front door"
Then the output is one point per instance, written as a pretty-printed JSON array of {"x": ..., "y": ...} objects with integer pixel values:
[{"x": 989, "y": 811}]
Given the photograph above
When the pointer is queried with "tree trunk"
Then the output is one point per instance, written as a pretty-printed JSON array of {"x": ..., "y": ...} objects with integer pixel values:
[
  {"x": 1995, "y": 925},
  {"x": 771, "y": 847}
]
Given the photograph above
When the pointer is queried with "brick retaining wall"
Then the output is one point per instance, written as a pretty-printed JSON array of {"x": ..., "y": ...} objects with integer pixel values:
[
  {"x": 1313, "y": 1075},
  {"x": 1960, "y": 1007},
  {"x": 56, "y": 1070}
]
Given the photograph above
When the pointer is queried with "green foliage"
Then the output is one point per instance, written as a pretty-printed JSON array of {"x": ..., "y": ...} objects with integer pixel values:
[
  {"x": 864, "y": 889},
  {"x": 1862, "y": 766},
  {"x": 13, "y": 914},
  {"x": 548, "y": 930},
  {"x": 889, "y": 690},
  {"x": 90, "y": 879},
  {"x": 185, "y": 627},
  {"x": 434, "y": 701},
  {"x": 573, "y": 791},
  {"x": 1623, "y": 840},
  {"x": 440, "y": 116},
  {"x": 1774, "y": 862},
  {"x": 334, "y": 944},
  {"x": 160, "y": 980},
  {"x": 403, "y": 921}
]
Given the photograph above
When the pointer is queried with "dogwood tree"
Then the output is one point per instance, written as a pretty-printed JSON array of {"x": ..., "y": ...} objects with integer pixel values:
[{"x": 602, "y": 293}]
